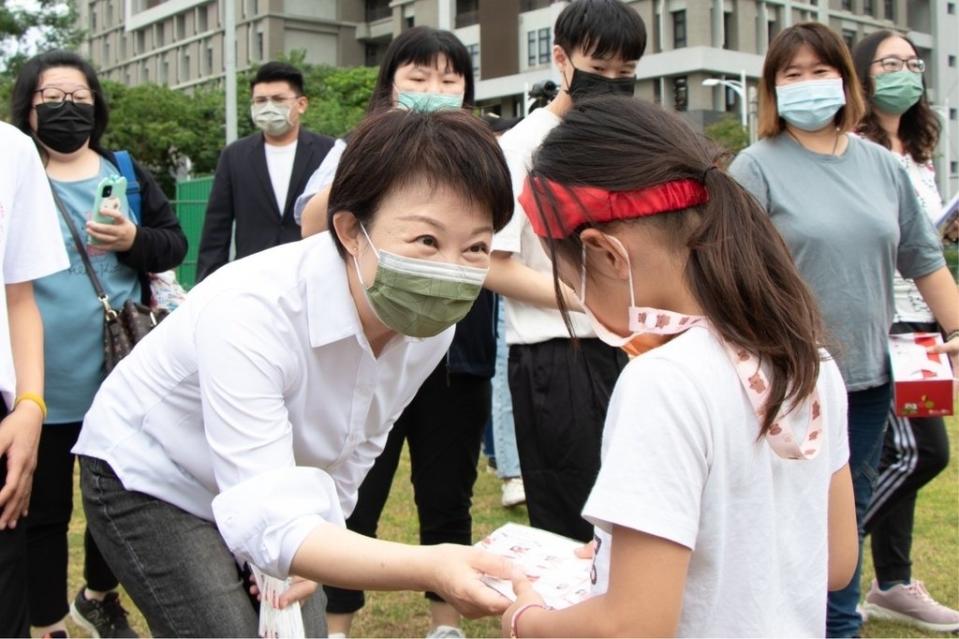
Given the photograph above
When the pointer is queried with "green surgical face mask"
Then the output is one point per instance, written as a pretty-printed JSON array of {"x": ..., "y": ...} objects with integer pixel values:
[
  {"x": 896, "y": 92},
  {"x": 420, "y": 298},
  {"x": 428, "y": 102}
]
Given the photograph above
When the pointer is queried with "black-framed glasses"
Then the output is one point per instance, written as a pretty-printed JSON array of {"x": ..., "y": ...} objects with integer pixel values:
[
  {"x": 55, "y": 96},
  {"x": 891, "y": 64}
]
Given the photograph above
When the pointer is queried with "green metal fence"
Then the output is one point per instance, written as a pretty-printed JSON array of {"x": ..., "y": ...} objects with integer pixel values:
[{"x": 190, "y": 207}]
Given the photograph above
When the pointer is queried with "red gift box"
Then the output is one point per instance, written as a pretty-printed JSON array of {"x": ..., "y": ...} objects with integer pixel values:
[{"x": 922, "y": 380}]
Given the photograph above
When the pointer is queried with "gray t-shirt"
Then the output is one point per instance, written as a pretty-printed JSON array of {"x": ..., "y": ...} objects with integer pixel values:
[{"x": 850, "y": 221}]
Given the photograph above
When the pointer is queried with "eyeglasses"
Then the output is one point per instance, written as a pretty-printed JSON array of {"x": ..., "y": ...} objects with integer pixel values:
[
  {"x": 281, "y": 99},
  {"x": 892, "y": 64},
  {"x": 56, "y": 97}
]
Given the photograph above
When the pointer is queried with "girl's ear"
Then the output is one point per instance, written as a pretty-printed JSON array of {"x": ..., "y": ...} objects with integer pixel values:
[
  {"x": 605, "y": 254},
  {"x": 347, "y": 229}
]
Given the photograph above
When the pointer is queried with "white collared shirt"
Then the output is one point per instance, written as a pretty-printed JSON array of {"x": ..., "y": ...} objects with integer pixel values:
[{"x": 258, "y": 404}]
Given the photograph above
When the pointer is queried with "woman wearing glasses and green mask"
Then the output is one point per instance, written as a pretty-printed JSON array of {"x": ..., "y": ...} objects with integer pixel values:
[
  {"x": 915, "y": 451},
  {"x": 240, "y": 429}
]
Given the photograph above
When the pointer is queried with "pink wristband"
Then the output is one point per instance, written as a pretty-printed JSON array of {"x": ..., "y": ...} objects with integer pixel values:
[{"x": 512, "y": 624}]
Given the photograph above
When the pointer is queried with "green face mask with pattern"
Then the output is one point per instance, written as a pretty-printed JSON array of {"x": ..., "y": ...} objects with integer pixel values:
[
  {"x": 420, "y": 298},
  {"x": 896, "y": 92}
]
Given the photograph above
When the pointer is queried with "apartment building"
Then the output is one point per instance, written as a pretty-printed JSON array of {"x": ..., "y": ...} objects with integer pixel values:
[{"x": 180, "y": 43}]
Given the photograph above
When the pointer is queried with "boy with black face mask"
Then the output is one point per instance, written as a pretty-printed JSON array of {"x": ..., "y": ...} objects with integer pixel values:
[{"x": 560, "y": 393}]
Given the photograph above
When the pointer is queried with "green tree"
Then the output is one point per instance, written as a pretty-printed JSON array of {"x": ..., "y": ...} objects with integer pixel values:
[
  {"x": 728, "y": 133},
  {"x": 39, "y": 26}
]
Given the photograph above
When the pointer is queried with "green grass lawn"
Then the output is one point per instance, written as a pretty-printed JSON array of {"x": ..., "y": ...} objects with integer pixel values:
[{"x": 935, "y": 554}]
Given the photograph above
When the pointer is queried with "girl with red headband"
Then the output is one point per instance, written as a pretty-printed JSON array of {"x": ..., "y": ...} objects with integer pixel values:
[{"x": 724, "y": 503}]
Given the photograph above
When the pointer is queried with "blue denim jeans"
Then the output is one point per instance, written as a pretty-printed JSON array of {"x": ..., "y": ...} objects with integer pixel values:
[
  {"x": 868, "y": 410},
  {"x": 504, "y": 433}
]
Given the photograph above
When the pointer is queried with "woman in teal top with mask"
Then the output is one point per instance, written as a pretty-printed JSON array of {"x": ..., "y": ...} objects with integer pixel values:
[
  {"x": 850, "y": 217},
  {"x": 915, "y": 451}
]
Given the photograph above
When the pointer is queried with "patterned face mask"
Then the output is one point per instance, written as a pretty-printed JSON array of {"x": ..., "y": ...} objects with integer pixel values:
[
  {"x": 420, "y": 298},
  {"x": 646, "y": 322},
  {"x": 429, "y": 102}
]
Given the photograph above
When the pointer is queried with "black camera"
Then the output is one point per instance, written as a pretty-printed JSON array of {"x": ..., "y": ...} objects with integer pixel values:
[
  {"x": 107, "y": 191},
  {"x": 544, "y": 90}
]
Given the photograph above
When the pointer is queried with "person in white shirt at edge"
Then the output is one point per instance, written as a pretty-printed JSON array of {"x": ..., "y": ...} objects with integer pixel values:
[
  {"x": 30, "y": 248},
  {"x": 240, "y": 429},
  {"x": 724, "y": 503}
]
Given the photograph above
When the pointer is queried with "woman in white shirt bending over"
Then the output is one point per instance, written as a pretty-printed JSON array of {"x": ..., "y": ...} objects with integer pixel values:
[
  {"x": 723, "y": 506},
  {"x": 240, "y": 429}
]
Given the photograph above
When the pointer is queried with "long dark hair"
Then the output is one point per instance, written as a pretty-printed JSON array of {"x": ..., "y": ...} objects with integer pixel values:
[
  {"x": 21, "y": 100},
  {"x": 421, "y": 45},
  {"x": 739, "y": 268},
  {"x": 918, "y": 127}
]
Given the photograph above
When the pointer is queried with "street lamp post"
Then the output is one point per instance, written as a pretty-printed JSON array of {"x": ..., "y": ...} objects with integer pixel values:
[{"x": 739, "y": 86}]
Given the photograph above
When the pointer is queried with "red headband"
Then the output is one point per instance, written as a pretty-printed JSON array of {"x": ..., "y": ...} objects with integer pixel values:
[{"x": 570, "y": 204}]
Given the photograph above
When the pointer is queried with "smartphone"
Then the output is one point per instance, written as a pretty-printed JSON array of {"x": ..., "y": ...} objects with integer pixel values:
[{"x": 111, "y": 194}]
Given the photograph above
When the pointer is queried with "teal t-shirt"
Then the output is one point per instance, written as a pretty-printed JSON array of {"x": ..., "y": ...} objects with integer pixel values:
[
  {"x": 72, "y": 315},
  {"x": 850, "y": 222}
]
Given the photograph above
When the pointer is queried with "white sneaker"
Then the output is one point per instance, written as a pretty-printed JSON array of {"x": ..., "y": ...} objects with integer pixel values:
[
  {"x": 910, "y": 604},
  {"x": 336, "y": 635},
  {"x": 514, "y": 493},
  {"x": 445, "y": 632}
]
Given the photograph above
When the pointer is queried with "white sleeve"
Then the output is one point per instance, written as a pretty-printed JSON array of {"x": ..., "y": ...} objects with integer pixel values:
[
  {"x": 267, "y": 505},
  {"x": 34, "y": 241},
  {"x": 832, "y": 391},
  {"x": 321, "y": 178},
  {"x": 509, "y": 238},
  {"x": 656, "y": 454}
]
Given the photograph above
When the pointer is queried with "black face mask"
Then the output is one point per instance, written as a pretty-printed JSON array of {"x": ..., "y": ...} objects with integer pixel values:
[
  {"x": 64, "y": 127},
  {"x": 588, "y": 85}
]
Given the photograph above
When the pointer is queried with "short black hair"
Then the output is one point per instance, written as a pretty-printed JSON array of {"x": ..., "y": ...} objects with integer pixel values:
[
  {"x": 21, "y": 99},
  {"x": 449, "y": 148},
  {"x": 601, "y": 29},
  {"x": 421, "y": 45},
  {"x": 279, "y": 72}
]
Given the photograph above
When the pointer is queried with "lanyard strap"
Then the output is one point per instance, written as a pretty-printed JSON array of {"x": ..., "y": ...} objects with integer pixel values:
[{"x": 780, "y": 435}]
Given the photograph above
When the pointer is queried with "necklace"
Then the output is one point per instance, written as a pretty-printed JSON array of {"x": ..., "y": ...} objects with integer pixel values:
[{"x": 835, "y": 144}]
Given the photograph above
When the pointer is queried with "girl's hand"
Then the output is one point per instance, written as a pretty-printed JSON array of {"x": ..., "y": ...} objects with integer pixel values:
[
  {"x": 525, "y": 596},
  {"x": 117, "y": 236},
  {"x": 951, "y": 348},
  {"x": 300, "y": 590},
  {"x": 457, "y": 577}
]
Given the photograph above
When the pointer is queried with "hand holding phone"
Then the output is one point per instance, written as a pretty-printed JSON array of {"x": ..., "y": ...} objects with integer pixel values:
[{"x": 110, "y": 227}]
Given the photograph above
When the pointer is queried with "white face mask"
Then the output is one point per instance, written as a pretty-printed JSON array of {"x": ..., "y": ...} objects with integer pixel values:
[{"x": 272, "y": 118}]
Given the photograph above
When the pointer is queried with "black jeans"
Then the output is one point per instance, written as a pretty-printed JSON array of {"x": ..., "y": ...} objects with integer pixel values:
[
  {"x": 444, "y": 427},
  {"x": 174, "y": 565},
  {"x": 14, "y": 621},
  {"x": 560, "y": 396},
  {"x": 51, "y": 507}
]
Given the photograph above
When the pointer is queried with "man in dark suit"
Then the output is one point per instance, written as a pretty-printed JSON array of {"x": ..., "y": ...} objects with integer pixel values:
[{"x": 258, "y": 177}]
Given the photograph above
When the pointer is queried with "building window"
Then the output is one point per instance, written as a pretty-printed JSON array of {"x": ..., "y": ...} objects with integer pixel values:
[
  {"x": 728, "y": 30},
  {"x": 658, "y": 91},
  {"x": 847, "y": 5},
  {"x": 208, "y": 60},
  {"x": 106, "y": 51},
  {"x": 467, "y": 13},
  {"x": 164, "y": 71},
  {"x": 531, "y": 48},
  {"x": 772, "y": 29},
  {"x": 849, "y": 37},
  {"x": 109, "y": 17},
  {"x": 544, "y": 45},
  {"x": 868, "y": 8},
  {"x": 474, "y": 58},
  {"x": 145, "y": 73},
  {"x": 184, "y": 68},
  {"x": 259, "y": 46},
  {"x": 889, "y": 10},
  {"x": 680, "y": 93},
  {"x": 410, "y": 22},
  {"x": 160, "y": 34},
  {"x": 202, "y": 20},
  {"x": 953, "y": 167},
  {"x": 730, "y": 98},
  {"x": 377, "y": 10},
  {"x": 180, "y": 26},
  {"x": 679, "y": 29},
  {"x": 141, "y": 38},
  {"x": 93, "y": 16},
  {"x": 951, "y": 8}
]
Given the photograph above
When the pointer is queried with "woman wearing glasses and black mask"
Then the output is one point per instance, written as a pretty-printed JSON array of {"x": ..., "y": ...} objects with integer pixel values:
[
  {"x": 58, "y": 101},
  {"x": 915, "y": 451}
]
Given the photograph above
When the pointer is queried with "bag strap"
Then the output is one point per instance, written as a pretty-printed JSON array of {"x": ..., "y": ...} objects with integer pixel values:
[
  {"x": 125, "y": 164},
  {"x": 108, "y": 310}
]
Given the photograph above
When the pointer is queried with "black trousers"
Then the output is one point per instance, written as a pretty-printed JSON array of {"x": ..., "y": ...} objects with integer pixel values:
[
  {"x": 51, "y": 507},
  {"x": 14, "y": 621},
  {"x": 914, "y": 451},
  {"x": 444, "y": 428},
  {"x": 560, "y": 395}
]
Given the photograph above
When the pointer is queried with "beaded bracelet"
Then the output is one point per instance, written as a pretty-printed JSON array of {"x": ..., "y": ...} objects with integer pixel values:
[{"x": 512, "y": 624}]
